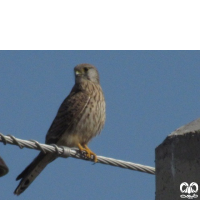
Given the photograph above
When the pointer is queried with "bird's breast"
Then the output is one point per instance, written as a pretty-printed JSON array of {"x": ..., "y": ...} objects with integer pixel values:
[{"x": 89, "y": 124}]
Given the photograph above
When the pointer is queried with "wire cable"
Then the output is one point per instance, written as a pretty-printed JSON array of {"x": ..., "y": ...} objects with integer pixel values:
[{"x": 65, "y": 152}]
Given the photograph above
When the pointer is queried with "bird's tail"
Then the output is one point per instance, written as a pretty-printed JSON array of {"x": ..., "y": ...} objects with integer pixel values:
[{"x": 32, "y": 171}]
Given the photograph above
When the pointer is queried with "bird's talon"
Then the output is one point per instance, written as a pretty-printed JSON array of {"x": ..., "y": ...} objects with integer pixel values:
[{"x": 87, "y": 153}]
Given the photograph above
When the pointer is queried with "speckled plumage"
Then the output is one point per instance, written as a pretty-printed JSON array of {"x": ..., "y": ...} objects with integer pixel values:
[{"x": 80, "y": 117}]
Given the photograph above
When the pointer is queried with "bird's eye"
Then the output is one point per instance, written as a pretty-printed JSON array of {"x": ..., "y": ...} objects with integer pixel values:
[{"x": 85, "y": 69}]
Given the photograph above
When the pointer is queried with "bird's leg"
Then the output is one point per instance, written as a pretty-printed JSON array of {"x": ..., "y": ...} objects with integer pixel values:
[{"x": 88, "y": 151}]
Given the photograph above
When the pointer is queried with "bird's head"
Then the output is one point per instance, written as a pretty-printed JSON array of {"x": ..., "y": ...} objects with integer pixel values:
[{"x": 86, "y": 71}]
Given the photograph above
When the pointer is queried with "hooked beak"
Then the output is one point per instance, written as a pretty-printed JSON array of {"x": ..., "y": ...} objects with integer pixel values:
[{"x": 78, "y": 73}]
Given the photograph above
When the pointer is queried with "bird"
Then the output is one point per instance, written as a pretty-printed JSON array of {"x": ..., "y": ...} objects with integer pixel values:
[
  {"x": 3, "y": 168},
  {"x": 80, "y": 117}
]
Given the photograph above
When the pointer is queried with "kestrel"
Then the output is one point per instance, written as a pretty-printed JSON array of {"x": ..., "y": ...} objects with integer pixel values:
[{"x": 80, "y": 117}]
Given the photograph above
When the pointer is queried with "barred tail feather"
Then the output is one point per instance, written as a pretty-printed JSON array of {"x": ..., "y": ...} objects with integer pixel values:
[{"x": 32, "y": 171}]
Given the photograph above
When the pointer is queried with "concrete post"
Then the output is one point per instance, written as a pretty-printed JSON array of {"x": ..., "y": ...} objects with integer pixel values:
[{"x": 178, "y": 164}]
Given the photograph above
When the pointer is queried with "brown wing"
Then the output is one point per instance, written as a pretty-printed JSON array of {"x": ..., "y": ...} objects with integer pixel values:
[{"x": 68, "y": 114}]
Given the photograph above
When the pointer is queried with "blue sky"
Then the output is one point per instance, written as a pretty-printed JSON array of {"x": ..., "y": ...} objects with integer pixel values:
[{"x": 148, "y": 94}]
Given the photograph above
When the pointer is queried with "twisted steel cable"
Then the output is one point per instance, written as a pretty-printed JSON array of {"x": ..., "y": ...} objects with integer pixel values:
[{"x": 73, "y": 152}]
